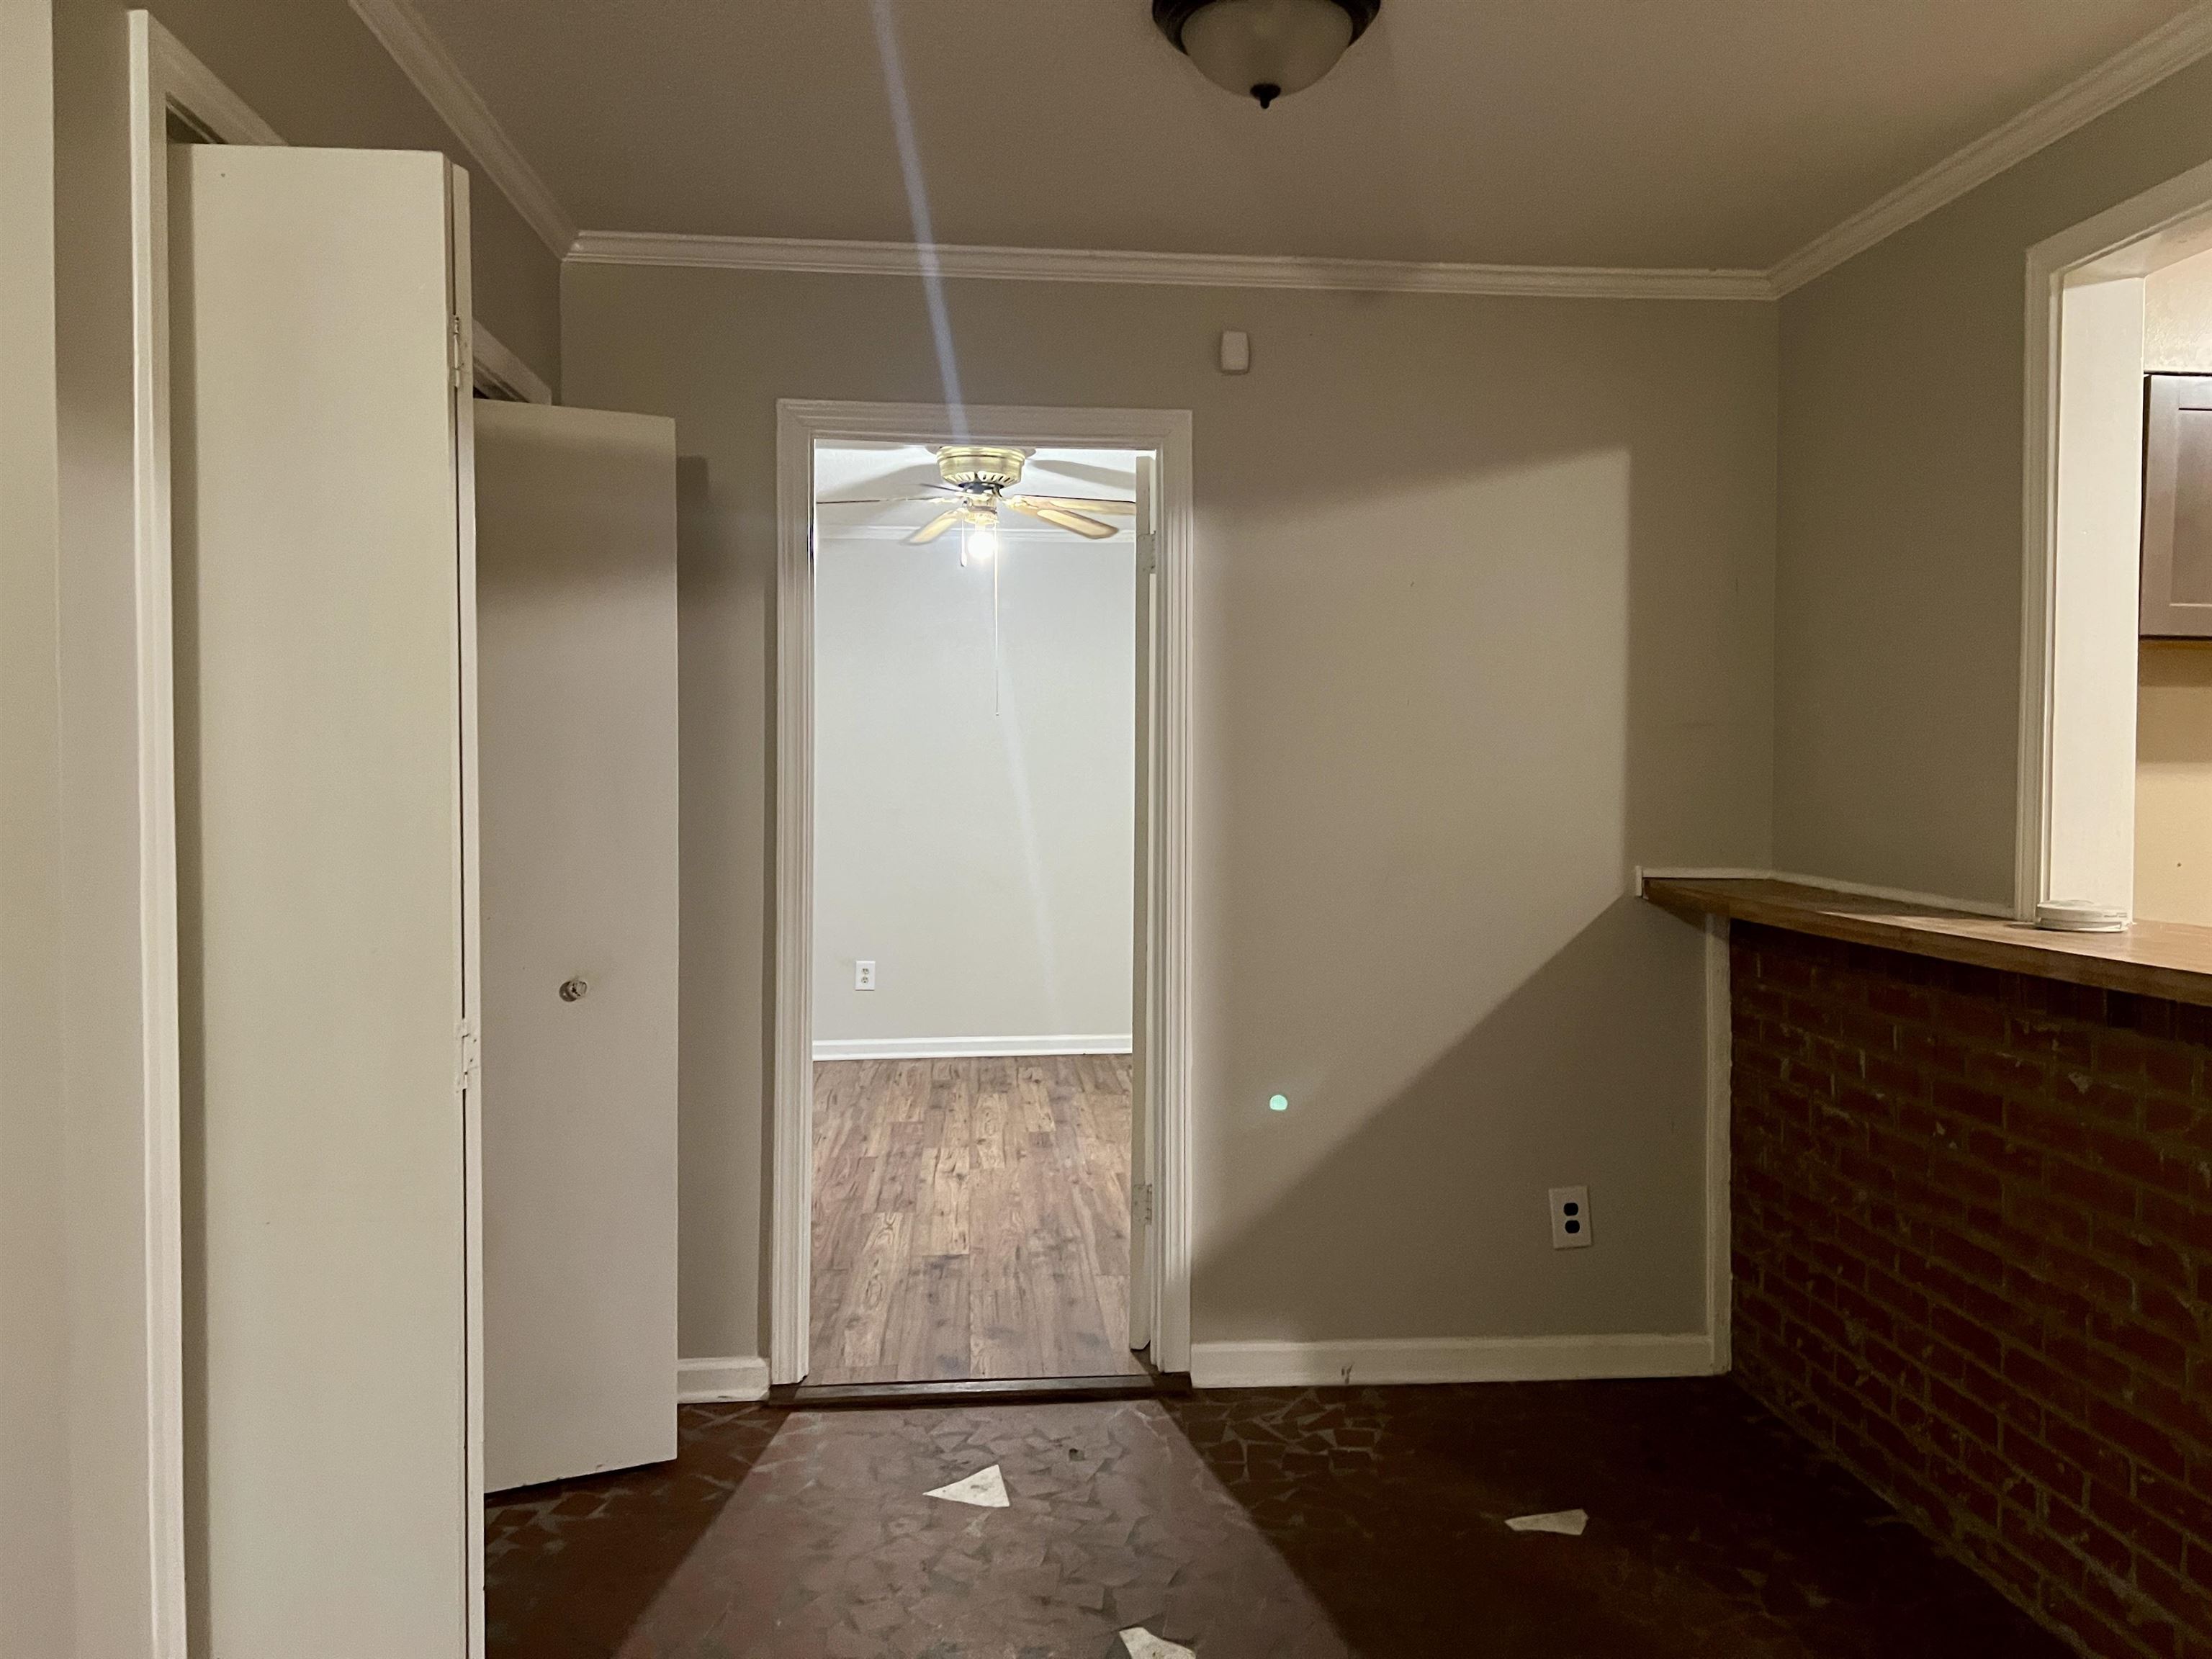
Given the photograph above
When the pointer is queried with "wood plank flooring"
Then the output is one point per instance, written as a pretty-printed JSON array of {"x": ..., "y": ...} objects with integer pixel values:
[{"x": 971, "y": 1220}]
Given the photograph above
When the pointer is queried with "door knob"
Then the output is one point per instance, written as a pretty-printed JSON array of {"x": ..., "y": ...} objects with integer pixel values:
[{"x": 573, "y": 990}]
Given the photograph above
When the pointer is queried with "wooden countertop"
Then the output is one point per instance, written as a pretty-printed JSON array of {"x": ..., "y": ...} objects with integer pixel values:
[{"x": 2167, "y": 959}]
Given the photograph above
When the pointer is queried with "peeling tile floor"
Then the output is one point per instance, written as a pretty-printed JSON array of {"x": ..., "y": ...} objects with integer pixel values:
[{"x": 1262, "y": 1524}]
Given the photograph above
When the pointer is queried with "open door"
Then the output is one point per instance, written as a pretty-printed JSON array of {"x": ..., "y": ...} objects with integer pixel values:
[
  {"x": 576, "y": 585},
  {"x": 324, "y": 566},
  {"x": 1144, "y": 1064}
]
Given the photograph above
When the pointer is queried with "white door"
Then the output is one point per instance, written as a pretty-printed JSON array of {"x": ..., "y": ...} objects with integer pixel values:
[
  {"x": 576, "y": 625},
  {"x": 323, "y": 604},
  {"x": 1144, "y": 1061}
]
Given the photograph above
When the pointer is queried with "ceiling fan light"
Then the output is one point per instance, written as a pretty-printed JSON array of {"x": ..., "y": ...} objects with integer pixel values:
[
  {"x": 1262, "y": 49},
  {"x": 982, "y": 541}
]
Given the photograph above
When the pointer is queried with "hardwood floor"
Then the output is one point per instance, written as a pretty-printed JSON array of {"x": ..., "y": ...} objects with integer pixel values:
[{"x": 971, "y": 1220}]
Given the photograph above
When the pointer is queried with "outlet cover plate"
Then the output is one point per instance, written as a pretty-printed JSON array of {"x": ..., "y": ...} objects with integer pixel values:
[
  {"x": 864, "y": 977},
  {"x": 1571, "y": 1219}
]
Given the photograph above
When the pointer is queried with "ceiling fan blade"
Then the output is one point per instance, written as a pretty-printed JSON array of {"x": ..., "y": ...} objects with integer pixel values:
[
  {"x": 873, "y": 500},
  {"x": 1062, "y": 516},
  {"x": 1082, "y": 503},
  {"x": 936, "y": 527}
]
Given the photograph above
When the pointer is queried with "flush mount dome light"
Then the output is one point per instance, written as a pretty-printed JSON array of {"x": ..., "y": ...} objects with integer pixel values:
[{"x": 1261, "y": 49}]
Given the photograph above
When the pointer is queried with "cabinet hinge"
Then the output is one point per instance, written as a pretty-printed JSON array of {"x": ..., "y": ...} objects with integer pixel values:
[
  {"x": 1145, "y": 1203},
  {"x": 468, "y": 1061},
  {"x": 457, "y": 352}
]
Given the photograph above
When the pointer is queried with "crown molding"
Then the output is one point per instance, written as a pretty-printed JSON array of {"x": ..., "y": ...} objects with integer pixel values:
[
  {"x": 2174, "y": 45},
  {"x": 399, "y": 28},
  {"x": 1040, "y": 264}
]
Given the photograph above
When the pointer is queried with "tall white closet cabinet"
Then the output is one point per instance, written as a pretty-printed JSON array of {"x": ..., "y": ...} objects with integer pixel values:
[{"x": 325, "y": 604}]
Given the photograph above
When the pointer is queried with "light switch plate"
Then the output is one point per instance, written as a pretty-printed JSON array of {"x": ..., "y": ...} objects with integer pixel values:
[{"x": 1571, "y": 1219}]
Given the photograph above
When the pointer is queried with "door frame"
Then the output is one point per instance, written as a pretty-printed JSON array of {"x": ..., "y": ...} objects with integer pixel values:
[
  {"x": 801, "y": 425},
  {"x": 2059, "y": 807},
  {"x": 165, "y": 80}
]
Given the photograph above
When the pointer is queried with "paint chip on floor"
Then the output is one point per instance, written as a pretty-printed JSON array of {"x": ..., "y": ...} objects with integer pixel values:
[
  {"x": 986, "y": 1490},
  {"x": 1143, "y": 1644},
  {"x": 1568, "y": 1523}
]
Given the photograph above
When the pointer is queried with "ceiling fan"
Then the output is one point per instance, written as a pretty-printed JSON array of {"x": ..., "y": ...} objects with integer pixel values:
[{"x": 976, "y": 479}]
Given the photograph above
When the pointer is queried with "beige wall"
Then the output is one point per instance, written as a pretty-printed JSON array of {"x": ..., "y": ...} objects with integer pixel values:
[
  {"x": 2177, "y": 317},
  {"x": 312, "y": 70},
  {"x": 975, "y": 821},
  {"x": 37, "y": 1580},
  {"x": 1897, "y": 628},
  {"x": 2173, "y": 781},
  {"x": 1484, "y": 607}
]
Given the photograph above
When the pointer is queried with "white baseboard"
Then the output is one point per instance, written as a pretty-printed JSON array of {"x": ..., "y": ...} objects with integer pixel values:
[
  {"x": 978, "y": 1048},
  {"x": 1852, "y": 889},
  {"x": 699, "y": 1382},
  {"x": 1468, "y": 1359}
]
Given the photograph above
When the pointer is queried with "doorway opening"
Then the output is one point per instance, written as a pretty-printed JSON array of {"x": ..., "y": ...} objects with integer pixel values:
[
  {"x": 976, "y": 749},
  {"x": 981, "y": 1129},
  {"x": 2115, "y": 724}
]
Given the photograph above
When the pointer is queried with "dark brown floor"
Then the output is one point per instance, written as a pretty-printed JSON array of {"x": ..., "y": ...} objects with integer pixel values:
[
  {"x": 1307, "y": 1524},
  {"x": 971, "y": 1220}
]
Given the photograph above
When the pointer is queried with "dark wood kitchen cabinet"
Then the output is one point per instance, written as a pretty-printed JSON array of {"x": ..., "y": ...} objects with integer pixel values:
[{"x": 2176, "y": 538}]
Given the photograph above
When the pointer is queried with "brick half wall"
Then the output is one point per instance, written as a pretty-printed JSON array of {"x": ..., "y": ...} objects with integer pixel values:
[{"x": 1972, "y": 1255}]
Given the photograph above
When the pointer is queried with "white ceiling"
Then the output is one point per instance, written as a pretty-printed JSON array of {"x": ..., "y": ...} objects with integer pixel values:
[{"x": 1596, "y": 132}]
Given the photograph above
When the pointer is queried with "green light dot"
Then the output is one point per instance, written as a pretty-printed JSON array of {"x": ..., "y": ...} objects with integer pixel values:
[{"x": 1279, "y": 1102}]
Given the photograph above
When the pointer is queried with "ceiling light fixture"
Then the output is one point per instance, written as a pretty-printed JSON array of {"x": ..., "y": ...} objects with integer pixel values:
[{"x": 1261, "y": 49}]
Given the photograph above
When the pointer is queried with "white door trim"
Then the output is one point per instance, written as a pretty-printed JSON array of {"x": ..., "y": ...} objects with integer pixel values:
[
  {"x": 799, "y": 425},
  {"x": 165, "y": 80},
  {"x": 2161, "y": 224}
]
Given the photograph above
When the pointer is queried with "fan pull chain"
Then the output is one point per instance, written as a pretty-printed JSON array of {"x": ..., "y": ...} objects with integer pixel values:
[{"x": 998, "y": 653}]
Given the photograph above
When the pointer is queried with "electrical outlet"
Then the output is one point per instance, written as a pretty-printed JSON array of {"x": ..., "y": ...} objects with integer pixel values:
[
  {"x": 1571, "y": 1219},
  {"x": 864, "y": 977}
]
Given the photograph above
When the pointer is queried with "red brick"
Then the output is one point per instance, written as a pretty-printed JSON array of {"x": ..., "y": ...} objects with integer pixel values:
[
  {"x": 1961, "y": 1101},
  {"x": 2098, "y": 1190},
  {"x": 2189, "y": 1122},
  {"x": 2143, "y": 1252},
  {"x": 2127, "y": 1519},
  {"x": 2071, "y": 1527},
  {"x": 2083, "y": 1359},
  {"x": 2188, "y": 1416},
  {"x": 2130, "y": 1431},
  {"x": 2024, "y": 1529},
  {"x": 2132, "y": 1156},
  {"x": 2175, "y": 1503},
  {"x": 2182, "y": 1317},
  {"x": 2189, "y": 1601},
  {"x": 2048, "y": 1127},
  {"x": 2056, "y": 1474},
  {"x": 2120, "y": 1055},
  {"x": 2063, "y": 1040},
  {"x": 2008, "y": 1157},
  {"x": 2102, "y": 1460},
  {"x": 2046, "y": 1217},
  {"x": 2044, "y": 1383},
  {"x": 1974, "y": 1246}
]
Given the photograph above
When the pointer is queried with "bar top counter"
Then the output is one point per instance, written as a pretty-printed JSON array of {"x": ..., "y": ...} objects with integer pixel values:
[{"x": 2168, "y": 959}]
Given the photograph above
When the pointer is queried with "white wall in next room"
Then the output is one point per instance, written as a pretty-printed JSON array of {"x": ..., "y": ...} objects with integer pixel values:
[{"x": 976, "y": 846}]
